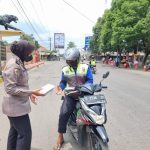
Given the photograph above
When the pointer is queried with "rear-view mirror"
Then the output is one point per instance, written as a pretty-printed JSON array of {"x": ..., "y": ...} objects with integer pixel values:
[{"x": 105, "y": 75}]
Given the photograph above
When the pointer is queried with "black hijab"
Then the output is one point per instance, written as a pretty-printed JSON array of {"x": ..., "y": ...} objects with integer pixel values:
[{"x": 22, "y": 49}]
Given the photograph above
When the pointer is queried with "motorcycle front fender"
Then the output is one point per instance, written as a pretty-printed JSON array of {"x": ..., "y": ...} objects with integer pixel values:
[{"x": 100, "y": 131}]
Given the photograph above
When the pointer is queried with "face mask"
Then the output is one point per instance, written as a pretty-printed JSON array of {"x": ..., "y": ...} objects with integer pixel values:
[{"x": 28, "y": 58}]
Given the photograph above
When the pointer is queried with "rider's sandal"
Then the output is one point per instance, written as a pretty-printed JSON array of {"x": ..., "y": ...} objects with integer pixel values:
[{"x": 59, "y": 146}]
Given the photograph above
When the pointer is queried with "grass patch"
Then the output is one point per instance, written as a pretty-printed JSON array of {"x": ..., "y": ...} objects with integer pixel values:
[{"x": 1, "y": 80}]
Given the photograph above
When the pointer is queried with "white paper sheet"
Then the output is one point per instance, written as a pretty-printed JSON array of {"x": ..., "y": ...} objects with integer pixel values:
[{"x": 47, "y": 88}]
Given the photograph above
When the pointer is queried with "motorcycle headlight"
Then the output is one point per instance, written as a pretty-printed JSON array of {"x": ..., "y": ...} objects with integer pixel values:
[{"x": 98, "y": 119}]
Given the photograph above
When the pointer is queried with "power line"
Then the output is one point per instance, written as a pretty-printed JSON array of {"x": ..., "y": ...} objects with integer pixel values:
[
  {"x": 38, "y": 16},
  {"x": 29, "y": 20},
  {"x": 79, "y": 12},
  {"x": 27, "y": 12},
  {"x": 43, "y": 11},
  {"x": 25, "y": 18},
  {"x": 44, "y": 14},
  {"x": 40, "y": 22},
  {"x": 20, "y": 12},
  {"x": 25, "y": 9}
]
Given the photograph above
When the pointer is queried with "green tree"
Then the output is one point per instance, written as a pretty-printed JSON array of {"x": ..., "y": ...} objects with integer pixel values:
[
  {"x": 94, "y": 43},
  {"x": 31, "y": 39},
  {"x": 71, "y": 45},
  {"x": 130, "y": 24},
  {"x": 125, "y": 25},
  {"x": 145, "y": 31},
  {"x": 106, "y": 32},
  {"x": 37, "y": 45},
  {"x": 5, "y": 42}
]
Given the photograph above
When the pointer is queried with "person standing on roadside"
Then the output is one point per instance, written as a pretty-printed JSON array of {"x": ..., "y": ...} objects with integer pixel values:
[
  {"x": 16, "y": 100},
  {"x": 117, "y": 61}
]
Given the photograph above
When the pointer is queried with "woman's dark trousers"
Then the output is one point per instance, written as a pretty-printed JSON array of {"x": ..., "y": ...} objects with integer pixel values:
[{"x": 20, "y": 133}]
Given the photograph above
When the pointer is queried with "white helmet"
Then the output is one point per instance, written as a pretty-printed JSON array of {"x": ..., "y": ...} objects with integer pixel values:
[{"x": 72, "y": 54}]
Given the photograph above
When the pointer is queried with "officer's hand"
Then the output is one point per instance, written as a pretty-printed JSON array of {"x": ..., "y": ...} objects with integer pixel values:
[
  {"x": 37, "y": 93},
  {"x": 58, "y": 90},
  {"x": 33, "y": 99}
]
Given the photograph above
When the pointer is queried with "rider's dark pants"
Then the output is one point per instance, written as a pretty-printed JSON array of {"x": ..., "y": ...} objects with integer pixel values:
[{"x": 67, "y": 108}]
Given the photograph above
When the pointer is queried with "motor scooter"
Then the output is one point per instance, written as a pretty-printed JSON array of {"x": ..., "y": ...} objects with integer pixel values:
[{"x": 87, "y": 121}]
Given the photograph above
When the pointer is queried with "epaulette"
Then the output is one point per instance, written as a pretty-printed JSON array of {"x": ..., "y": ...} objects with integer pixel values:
[
  {"x": 17, "y": 61},
  {"x": 20, "y": 64}
]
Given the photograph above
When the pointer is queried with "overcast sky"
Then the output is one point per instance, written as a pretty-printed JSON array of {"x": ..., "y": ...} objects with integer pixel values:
[{"x": 75, "y": 18}]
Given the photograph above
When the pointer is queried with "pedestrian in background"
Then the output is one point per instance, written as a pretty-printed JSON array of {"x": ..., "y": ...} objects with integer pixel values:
[
  {"x": 16, "y": 101},
  {"x": 136, "y": 63},
  {"x": 117, "y": 61}
]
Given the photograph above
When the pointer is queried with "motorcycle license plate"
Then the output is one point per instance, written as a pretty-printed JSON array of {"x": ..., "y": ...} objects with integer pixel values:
[{"x": 94, "y": 99}]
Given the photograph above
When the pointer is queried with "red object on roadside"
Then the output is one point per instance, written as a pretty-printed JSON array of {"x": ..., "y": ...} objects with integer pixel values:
[
  {"x": 112, "y": 63},
  {"x": 136, "y": 66},
  {"x": 145, "y": 68},
  {"x": 106, "y": 61},
  {"x": 125, "y": 65}
]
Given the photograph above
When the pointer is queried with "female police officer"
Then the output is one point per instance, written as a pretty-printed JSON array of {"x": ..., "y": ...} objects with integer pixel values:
[{"x": 16, "y": 104}]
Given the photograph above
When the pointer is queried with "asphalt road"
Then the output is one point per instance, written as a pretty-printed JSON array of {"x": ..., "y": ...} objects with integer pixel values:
[{"x": 128, "y": 109}]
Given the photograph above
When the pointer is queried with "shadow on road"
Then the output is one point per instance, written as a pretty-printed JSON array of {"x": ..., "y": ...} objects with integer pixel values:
[{"x": 71, "y": 143}]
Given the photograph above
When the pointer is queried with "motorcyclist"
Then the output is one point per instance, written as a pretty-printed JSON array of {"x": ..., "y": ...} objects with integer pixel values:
[
  {"x": 73, "y": 74},
  {"x": 92, "y": 62}
]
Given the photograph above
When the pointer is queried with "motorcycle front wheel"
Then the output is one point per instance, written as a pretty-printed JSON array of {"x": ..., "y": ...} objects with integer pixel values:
[{"x": 95, "y": 143}]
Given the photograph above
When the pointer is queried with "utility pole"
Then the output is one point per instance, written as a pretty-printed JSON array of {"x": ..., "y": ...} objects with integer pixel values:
[
  {"x": 50, "y": 43},
  {"x": 0, "y": 56}
]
